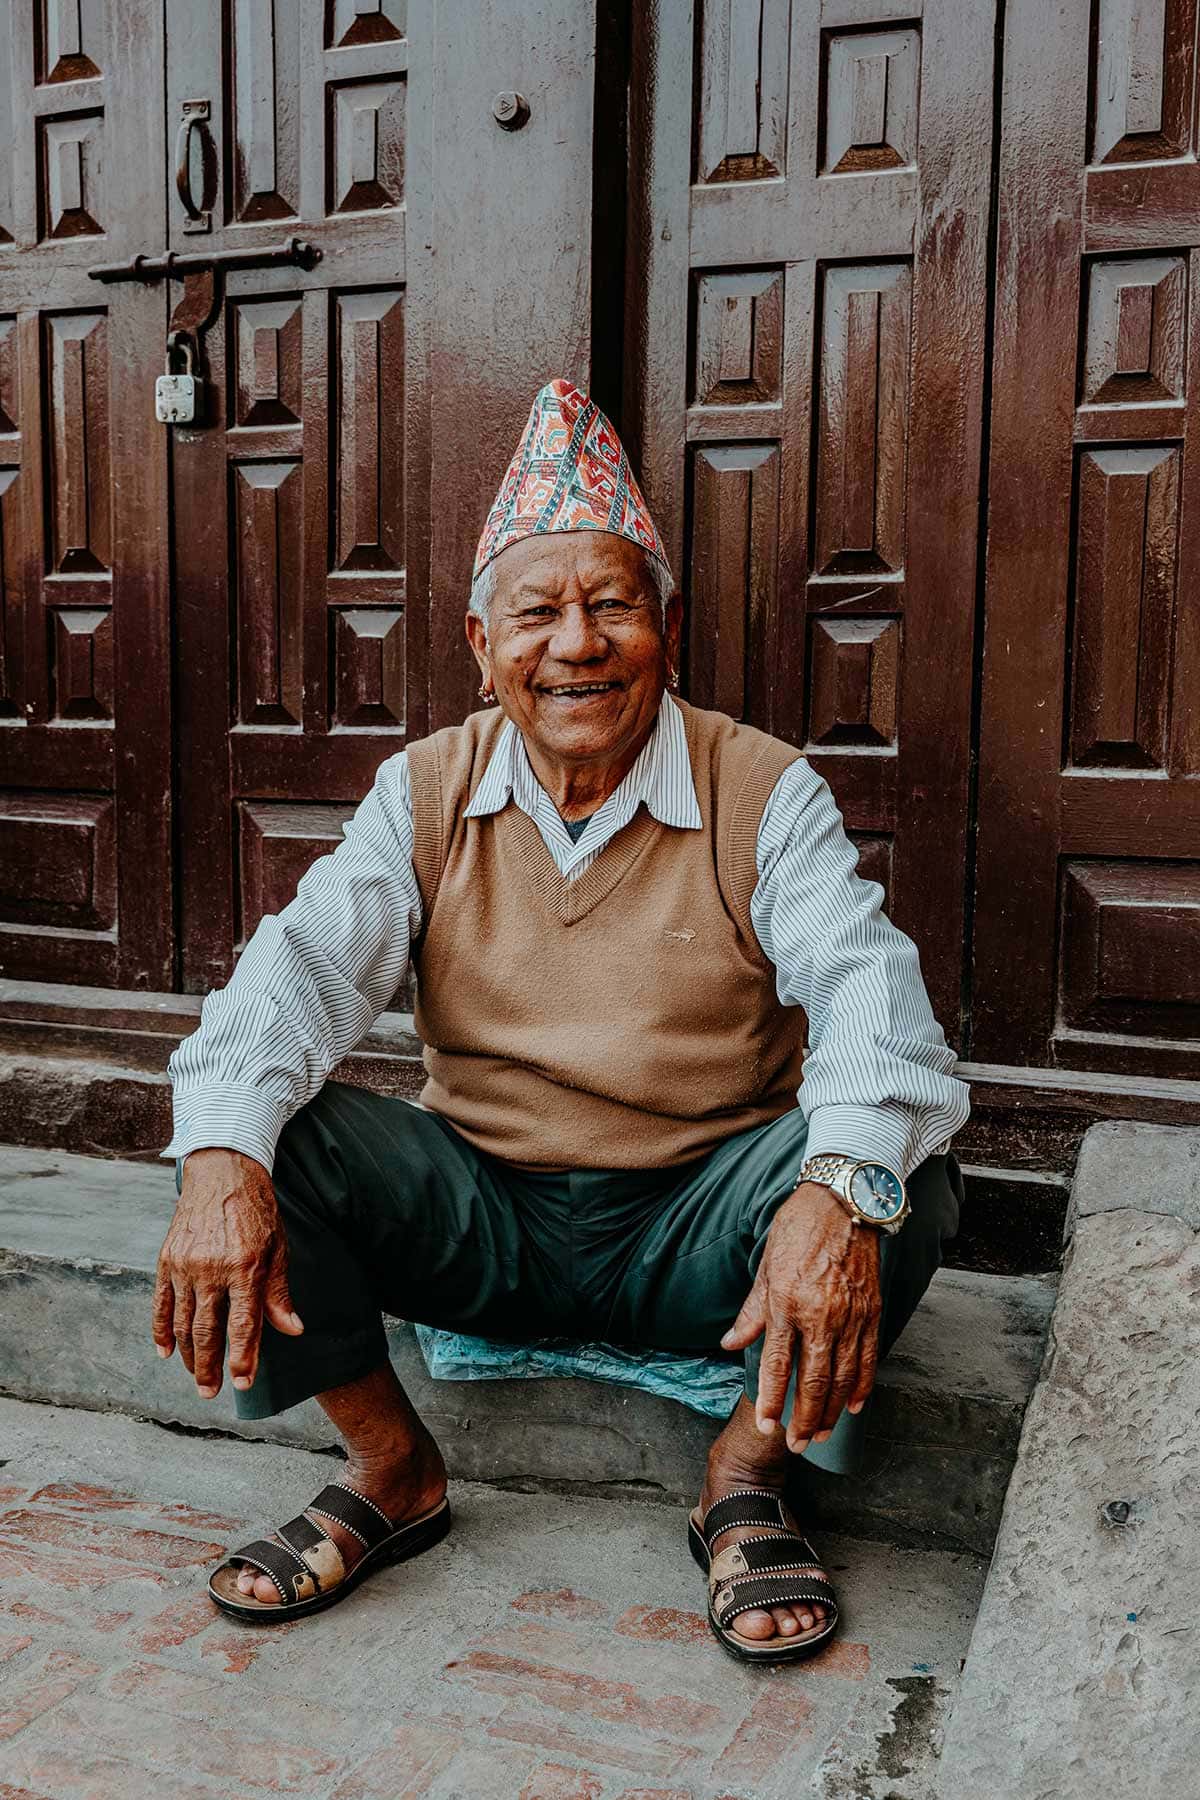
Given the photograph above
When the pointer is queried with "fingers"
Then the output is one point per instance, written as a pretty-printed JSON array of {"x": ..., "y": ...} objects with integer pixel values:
[
  {"x": 750, "y": 1321},
  {"x": 208, "y": 1343},
  {"x": 277, "y": 1301},
  {"x": 161, "y": 1329},
  {"x": 225, "y": 1248},
  {"x": 181, "y": 1321},
  {"x": 774, "y": 1372},
  {"x": 868, "y": 1363},
  {"x": 249, "y": 1304},
  {"x": 841, "y": 1386},
  {"x": 815, "y": 1370},
  {"x": 245, "y": 1334}
]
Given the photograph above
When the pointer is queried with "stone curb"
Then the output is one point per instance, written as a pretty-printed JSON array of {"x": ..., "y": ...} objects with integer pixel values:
[
  {"x": 1142, "y": 1168},
  {"x": 1084, "y": 1665}
]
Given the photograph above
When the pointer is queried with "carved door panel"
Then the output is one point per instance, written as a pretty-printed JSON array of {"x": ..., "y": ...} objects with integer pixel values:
[
  {"x": 295, "y": 544},
  {"x": 804, "y": 388},
  {"x": 304, "y": 506},
  {"x": 84, "y": 635},
  {"x": 1087, "y": 950}
]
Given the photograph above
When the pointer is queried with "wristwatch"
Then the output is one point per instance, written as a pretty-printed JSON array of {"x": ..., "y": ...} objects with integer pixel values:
[{"x": 870, "y": 1192}]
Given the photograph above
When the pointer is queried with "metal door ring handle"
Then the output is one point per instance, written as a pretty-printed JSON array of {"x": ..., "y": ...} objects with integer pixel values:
[{"x": 195, "y": 117}]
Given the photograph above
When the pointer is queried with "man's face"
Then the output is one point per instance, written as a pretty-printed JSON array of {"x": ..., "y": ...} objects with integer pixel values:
[{"x": 575, "y": 647}]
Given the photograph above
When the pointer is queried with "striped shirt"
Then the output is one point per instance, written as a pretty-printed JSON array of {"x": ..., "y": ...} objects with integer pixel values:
[{"x": 313, "y": 979}]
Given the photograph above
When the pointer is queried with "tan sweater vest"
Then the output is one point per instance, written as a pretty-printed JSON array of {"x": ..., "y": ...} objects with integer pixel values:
[{"x": 624, "y": 1020}]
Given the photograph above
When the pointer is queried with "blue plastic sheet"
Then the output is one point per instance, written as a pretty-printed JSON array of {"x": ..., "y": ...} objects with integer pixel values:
[{"x": 708, "y": 1384}]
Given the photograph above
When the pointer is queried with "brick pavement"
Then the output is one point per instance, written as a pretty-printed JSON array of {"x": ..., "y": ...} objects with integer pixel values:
[{"x": 551, "y": 1649}]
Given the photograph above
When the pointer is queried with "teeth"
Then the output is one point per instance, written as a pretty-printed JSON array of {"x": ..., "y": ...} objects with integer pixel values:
[{"x": 601, "y": 688}]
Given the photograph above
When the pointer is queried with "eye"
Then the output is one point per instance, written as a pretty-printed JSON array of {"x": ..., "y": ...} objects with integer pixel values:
[
  {"x": 536, "y": 612},
  {"x": 611, "y": 604}
]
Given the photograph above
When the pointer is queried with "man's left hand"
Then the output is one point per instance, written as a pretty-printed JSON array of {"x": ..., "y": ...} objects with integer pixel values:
[{"x": 817, "y": 1299}]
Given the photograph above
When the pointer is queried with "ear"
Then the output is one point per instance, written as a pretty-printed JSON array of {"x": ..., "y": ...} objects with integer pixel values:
[{"x": 477, "y": 638}]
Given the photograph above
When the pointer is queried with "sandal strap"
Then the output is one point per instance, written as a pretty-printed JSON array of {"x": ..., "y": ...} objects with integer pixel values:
[
  {"x": 320, "y": 1552},
  {"x": 302, "y": 1534},
  {"x": 764, "y": 1592},
  {"x": 360, "y": 1516},
  {"x": 781, "y": 1550},
  {"x": 747, "y": 1506},
  {"x": 279, "y": 1563}
]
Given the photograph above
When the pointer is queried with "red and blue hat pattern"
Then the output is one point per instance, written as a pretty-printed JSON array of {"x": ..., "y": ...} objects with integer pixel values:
[{"x": 570, "y": 473}]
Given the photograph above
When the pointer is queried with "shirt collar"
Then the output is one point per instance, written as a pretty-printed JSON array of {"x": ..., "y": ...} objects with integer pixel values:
[{"x": 661, "y": 776}]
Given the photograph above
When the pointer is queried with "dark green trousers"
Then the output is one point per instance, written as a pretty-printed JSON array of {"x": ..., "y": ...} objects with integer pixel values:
[{"x": 388, "y": 1209}]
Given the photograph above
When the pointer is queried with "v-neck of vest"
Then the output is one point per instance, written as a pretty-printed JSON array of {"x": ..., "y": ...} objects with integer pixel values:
[{"x": 569, "y": 901}]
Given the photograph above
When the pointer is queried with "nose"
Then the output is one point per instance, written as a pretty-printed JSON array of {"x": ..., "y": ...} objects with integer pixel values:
[{"x": 577, "y": 637}]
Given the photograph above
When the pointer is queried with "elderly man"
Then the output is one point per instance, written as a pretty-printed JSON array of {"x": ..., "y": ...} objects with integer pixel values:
[{"x": 626, "y": 917}]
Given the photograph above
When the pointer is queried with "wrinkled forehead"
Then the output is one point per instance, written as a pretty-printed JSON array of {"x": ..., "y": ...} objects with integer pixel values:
[{"x": 560, "y": 560}]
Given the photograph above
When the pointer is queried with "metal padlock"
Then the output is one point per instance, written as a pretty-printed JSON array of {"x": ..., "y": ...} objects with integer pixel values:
[{"x": 177, "y": 397}]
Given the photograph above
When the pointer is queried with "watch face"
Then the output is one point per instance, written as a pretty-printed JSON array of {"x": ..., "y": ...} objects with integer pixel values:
[{"x": 876, "y": 1192}]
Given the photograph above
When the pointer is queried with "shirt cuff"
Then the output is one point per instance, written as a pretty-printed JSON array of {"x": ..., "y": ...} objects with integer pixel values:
[
  {"x": 867, "y": 1133},
  {"x": 227, "y": 1118}
]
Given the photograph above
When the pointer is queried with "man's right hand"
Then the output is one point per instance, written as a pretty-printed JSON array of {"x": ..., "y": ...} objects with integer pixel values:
[{"x": 222, "y": 1268}]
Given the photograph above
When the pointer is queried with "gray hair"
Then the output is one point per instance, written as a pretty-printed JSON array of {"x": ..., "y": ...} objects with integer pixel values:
[{"x": 483, "y": 588}]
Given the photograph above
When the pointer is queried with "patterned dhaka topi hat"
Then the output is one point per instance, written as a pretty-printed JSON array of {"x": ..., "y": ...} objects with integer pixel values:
[{"x": 570, "y": 473}]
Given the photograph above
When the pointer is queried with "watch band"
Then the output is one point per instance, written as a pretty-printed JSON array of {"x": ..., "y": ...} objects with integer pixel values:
[
  {"x": 833, "y": 1169},
  {"x": 827, "y": 1167}
]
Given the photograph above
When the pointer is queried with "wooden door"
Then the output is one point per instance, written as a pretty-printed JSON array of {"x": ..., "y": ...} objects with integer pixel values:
[
  {"x": 1087, "y": 947},
  {"x": 808, "y": 257},
  {"x": 358, "y": 407},
  {"x": 85, "y": 769},
  {"x": 294, "y": 544}
]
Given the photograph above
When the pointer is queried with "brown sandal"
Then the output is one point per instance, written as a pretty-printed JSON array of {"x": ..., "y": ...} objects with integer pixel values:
[
  {"x": 307, "y": 1567},
  {"x": 778, "y": 1567}
]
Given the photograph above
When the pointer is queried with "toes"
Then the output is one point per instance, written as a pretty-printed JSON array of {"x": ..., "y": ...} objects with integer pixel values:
[
  {"x": 809, "y": 1614},
  {"x": 780, "y": 1621},
  {"x": 755, "y": 1625},
  {"x": 258, "y": 1587}
]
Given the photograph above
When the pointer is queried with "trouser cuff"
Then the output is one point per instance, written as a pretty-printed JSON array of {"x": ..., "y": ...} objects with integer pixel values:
[
  {"x": 844, "y": 1451},
  {"x": 292, "y": 1370}
]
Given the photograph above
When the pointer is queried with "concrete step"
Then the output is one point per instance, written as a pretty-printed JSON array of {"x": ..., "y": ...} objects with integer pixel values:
[
  {"x": 85, "y": 1069},
  {"x": 79, "y": 1238},
  {"x": 1084, "y": 1664}
]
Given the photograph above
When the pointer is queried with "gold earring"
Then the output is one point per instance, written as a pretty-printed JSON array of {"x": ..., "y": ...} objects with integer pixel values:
[{"x": 487, "y": 695}]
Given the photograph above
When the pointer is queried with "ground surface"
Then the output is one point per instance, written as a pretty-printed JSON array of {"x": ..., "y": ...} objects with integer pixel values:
[{"x": 552, "y": 1649}]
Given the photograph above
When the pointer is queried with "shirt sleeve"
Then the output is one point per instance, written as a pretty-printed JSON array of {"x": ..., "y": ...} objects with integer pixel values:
[
  {"x": 311, "y": 982},
  {"x": 877, "y": 1078}
]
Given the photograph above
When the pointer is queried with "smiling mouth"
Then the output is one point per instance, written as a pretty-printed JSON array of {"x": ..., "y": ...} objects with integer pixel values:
[{"x": 581, "y": 690}]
